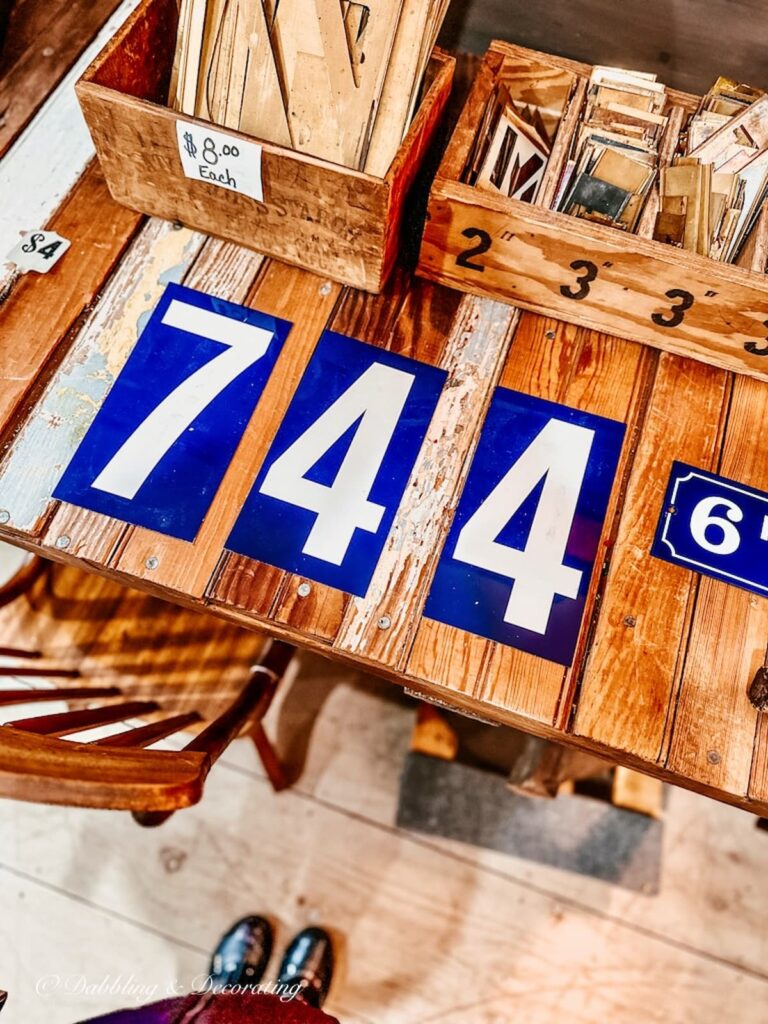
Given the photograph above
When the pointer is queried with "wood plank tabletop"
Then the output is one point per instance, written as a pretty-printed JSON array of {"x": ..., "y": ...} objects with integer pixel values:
[{"x": 664, "y": 656}]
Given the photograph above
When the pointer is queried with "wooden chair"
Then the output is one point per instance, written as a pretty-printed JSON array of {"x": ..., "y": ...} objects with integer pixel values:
[{"x": 113, "y": 656}]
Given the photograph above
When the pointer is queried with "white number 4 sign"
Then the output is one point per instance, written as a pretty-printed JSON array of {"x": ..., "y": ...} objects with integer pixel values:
[{"x": 518, "y": 558}]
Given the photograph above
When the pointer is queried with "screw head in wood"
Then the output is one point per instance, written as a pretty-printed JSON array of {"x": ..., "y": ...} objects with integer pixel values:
[
  {"x": 630, "y": 621},
  {"x": 5, "y": 515},
  {"x": 325, "y": 288},
  {"x": 63, "y": 542},
  {"x": 550, "y": 335},
  {"x": 713, "y": 757},
  {"x": 152, "y": 562},
  {"x": 384, "y": 622},
  {"x": 304, "y": 589}
]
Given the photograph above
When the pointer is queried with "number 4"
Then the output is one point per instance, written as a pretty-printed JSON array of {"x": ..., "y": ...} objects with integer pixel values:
[
  {"x": 558, "y": 455},
  {"x": 376, "y": 399}
]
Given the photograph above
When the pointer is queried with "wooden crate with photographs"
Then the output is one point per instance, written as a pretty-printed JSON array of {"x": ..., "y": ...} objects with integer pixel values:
[
  {"x": 599, "y": 196},
  {"x": 295, "y": 129}
]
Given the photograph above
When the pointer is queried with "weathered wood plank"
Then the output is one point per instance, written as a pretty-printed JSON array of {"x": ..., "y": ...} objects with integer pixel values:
[
  {"x": 100, "y": 231},
  {"x": 49, "y": 156},
  {"x": 637, "y": 648},
  {"x": 714, "y": 725},
  {"x": 529, "y": 261},
  {"x": 43, "y": 41},
  {"x": 281, "y": 292},
  {"x": 474, "y": 350},
  {"x": 48, "y": 438}
]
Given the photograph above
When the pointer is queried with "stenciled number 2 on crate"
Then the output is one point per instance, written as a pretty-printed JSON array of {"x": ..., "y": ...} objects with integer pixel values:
[
  {"x": 325, "y": 499},
  {"x": 161, "y": 443},
  {"x": 520, "y": 553}
]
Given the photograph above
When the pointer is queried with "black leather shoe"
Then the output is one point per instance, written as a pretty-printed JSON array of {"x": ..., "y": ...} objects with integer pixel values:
[
  {"x": 3, "y": 997},
  {"x": 242, "y": 955},
  {"x": 309, "y": 961}
]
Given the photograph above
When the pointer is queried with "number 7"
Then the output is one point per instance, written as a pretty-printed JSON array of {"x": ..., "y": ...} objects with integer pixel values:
[{"x": 138, "y": 456}]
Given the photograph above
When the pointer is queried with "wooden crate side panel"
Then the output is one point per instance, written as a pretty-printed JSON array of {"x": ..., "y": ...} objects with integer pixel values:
[
  {"x": 632, "y": 670},
  {"x": 280, "y": 291},
  {"x": 457, "y": 151},
  {"x": 528, "y": 262},
  {"x": 137, "y": 60},
  {"x": 410, "y": 157},
  {"x": 314, "y": 214}
]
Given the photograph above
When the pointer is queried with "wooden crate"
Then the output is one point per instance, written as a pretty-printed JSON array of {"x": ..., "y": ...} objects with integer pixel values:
[
  {"x": 338, "y": 222},
  {"x": 585, "y": 273}
]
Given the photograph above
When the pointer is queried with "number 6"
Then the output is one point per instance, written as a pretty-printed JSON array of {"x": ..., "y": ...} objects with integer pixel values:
[{"x": 702, "y": 519}]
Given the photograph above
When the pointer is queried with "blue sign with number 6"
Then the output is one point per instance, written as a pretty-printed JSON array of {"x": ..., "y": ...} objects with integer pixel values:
[
  {"x": 715, "y": 526},
  {"x": 161, "y": 442}
]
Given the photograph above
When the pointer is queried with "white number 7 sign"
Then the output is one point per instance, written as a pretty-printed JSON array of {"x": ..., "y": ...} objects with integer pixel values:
[
  {"x": 245, "y": 344},
  {"x": 163, "y": 438}
]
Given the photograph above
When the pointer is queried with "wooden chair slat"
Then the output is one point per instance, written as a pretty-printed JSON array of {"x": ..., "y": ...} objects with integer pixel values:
[
  {"x": 34, "y": 671},
  {"x": 74, "y": 721},
  {"x": 146, "y": 734},
  {"x": 8, "y": 697},
  {"x": 20, "y": 583},
  {"x": 253, "y": 702},
  {"x": 182, "y": 668},
  {"x": 16, "y": 652},
  {"x": 47, "y": 770}
]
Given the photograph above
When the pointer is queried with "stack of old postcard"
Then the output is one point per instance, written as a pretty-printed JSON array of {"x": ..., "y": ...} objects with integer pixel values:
[
  {"x": 512, "y": 148},
  {"x": 615, "y": 156},
  {"x": 713, "y": 194}
]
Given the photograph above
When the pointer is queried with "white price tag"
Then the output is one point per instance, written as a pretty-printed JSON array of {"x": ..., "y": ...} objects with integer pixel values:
[
  {"x": 38, "y": 251},
  {"x": 220, "y": 159}
]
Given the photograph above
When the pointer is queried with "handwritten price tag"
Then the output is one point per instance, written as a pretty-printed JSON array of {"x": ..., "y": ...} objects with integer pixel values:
[
  {"x": 38, "y": 251},
  {"x": 220, "y": 159}
]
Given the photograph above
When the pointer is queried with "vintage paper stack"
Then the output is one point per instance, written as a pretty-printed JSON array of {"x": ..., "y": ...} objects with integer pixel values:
[
  {"x": 337, "y": 80},
  {"x": 615, "y": 155},
  {"x": 512, "y": 147},
  {"x": 712, "y": 196}
]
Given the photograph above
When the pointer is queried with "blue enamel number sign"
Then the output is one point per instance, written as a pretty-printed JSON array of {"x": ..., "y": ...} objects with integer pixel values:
[
  {"x": 519, "y": 556},
  {"x": 716, "y": 527},
  {"x": 325, "y": 498},
  {"x": 159, "y": 446}
]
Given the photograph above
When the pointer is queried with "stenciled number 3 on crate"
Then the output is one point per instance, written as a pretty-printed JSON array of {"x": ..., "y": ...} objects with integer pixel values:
[{"x": 519, "y": 555}]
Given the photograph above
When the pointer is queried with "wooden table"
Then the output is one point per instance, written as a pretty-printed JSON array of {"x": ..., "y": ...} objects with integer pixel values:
[{"x": 665, "y": 657}]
